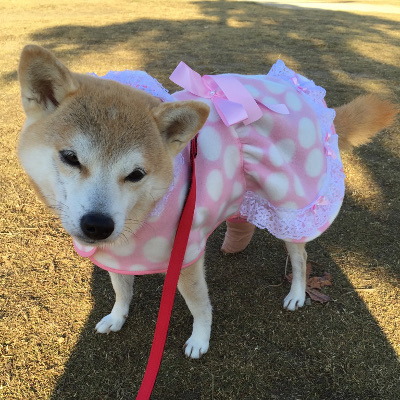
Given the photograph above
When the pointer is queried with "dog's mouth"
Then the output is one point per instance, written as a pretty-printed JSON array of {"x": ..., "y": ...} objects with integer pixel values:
[
  {"x": 85, "y": 241},
  {"x": 83, "y": 249}
]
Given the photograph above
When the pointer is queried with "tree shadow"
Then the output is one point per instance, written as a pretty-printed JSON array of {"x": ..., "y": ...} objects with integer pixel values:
[{"x": 337, "y": 351}]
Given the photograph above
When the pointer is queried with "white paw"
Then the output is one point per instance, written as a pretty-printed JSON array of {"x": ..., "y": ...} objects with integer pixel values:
[
  {"x": 195, "y": 348},
  {"x": 110, "y": 323},
  {"x": 294, "y": 299}
]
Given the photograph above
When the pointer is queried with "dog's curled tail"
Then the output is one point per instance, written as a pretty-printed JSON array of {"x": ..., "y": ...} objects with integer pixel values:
[{"x": 358, "y": 121}]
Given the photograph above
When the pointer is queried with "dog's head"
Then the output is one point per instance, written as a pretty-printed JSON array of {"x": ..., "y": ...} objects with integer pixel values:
[{"x": 99, "y": 153}]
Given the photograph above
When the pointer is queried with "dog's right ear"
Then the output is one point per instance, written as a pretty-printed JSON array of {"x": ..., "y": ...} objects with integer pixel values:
[
  {"x": 45, "y": 81},
  {"x": 180, "y": 121}
]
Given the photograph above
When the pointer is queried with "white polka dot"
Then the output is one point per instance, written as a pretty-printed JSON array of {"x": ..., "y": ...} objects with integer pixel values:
[
  {"x": 307, "y": 133},
  {"x": 210, "y": 143},
  {"x": 232, "y": 210},
  {"x": 125, "y": 249},
  {"x": 282, "y": 152},
  {"x": 275, "y": 156},
  {"x": 252, "y": 90},
  {"x": 244, "y": 130},
  {"x": 298, "y": 187},
  {"x": 254, "y": 175},
  {"x": 231, "y": 161},
  {"x": 287, "y": 148},
  {"x": 157, "y": 249},
  {"x": 275, "y": 88},
  {"x": 192, "y": 252},
  {"x": 137, "y": 267},
  {"x": 214, "y": 184},
  {"x": 268, "y": 100},
  {"x": 237, "y": 190},
  {"x": 277, "y": 186},
  {"x": 264, "y": 125},
  {"x": 203, "y": 243},
  {"x": 153, "y": 218},
  {"x": 107, "y": 260},
  {"x": 204, "y": 233},
  {"x": 252, "y": 154},
  {"x": 183, "y": 195},
  {"x": 293, "y": 101},
  {"x": 200, "y": 216},
  {"x": 213, "y": 116},
  {"x": 314, "y": 163},
  {"x": 221, "y": 211},
  {"x": 290, "y": 205}
]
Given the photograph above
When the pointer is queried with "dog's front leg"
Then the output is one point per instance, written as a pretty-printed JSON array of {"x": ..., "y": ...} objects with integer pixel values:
[
  {"x": 298, "y": 259},
  {"x": 193, "y": 287},
  {"x": 123, "y": 287}
]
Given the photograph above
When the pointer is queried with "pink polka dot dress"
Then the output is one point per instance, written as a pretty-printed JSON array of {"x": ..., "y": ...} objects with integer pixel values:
[{"x": 281, "y": 172}]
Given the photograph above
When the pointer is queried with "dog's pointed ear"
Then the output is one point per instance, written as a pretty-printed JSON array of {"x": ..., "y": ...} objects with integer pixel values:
[
  {"x": 45, "y": 81},
  {"x": 179, "y": 122}
]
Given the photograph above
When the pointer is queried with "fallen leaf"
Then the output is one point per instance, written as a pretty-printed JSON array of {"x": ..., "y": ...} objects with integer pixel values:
[
  {"x": 315, "y": 283},
  {"x": 317, "y": 296}
]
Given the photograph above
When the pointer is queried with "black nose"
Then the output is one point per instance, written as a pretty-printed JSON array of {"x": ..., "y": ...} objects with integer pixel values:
[{"x": 97, "y": 226}]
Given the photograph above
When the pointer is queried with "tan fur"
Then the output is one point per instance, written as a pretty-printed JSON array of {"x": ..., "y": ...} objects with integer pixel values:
[
  {"x": 112, "y": 132},
  {"x": 45, "y": 82},
  {"x": 358, "y": 121},
  {"x": 60, "y": 104}
]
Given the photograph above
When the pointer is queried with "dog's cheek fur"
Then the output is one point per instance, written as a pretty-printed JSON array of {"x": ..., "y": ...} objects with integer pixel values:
[
  {"x": 144, "y": 198},
  {"x": 37, "y": 162}
]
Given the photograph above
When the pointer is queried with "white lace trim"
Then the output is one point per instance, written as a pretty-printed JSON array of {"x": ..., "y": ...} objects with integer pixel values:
[
  {"x": 139, "y": 80},
  {"x": 159, "y": 208},
  {"x": 298, "y": 224}
]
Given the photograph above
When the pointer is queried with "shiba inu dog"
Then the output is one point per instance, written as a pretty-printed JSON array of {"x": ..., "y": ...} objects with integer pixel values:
[{"x": 110, "y": 158}]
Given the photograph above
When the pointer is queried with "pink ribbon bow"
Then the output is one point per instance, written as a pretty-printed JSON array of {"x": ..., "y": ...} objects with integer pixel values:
[
  {"x": 328, "y": 149},
  {"x": 321, "y": 201},
  {"x": 231, "y": 99},
  {"x": 299, "y": 88}
]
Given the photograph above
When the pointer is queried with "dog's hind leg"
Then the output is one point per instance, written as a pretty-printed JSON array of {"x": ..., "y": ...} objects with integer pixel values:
[
  {"x": 193, "y": 287},
  {"x": 238, "y": 235},
  {"x": 123, "y": 287},
  {"x": 298, "y": 259}
]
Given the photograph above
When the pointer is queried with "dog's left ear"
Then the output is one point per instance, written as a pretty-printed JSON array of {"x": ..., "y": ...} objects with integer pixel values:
[
  {"x": 179, "y": 122},
  {"x": 45, "y": 81}
]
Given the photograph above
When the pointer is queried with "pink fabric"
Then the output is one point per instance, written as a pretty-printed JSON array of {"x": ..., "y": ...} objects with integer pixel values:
[{"x": 282, "y": 172}]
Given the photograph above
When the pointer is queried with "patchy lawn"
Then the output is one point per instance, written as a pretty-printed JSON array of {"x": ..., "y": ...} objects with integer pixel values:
[{"x": 51, "y": 299}]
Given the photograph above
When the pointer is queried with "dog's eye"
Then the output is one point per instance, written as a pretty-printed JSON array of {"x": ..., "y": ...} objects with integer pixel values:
[
  {"x": 136, "y": 175},
  {"x": 70, "y": 158}
]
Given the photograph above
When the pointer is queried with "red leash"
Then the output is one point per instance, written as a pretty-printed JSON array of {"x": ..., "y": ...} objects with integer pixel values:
[{"x": 170, "y": 283}]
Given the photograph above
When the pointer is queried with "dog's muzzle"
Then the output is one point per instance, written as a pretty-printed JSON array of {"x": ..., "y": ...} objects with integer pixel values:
[{"x": 97, "y": 226}]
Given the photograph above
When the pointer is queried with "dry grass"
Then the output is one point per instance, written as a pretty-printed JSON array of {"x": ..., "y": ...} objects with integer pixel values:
[{"x": 51, "y": 299}]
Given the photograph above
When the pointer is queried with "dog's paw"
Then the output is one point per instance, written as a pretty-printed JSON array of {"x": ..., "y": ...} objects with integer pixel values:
[
  {"x": 195, "y": 348},
  {"x": 294, "y": 300},
  {"x": 110, "y": 323}
]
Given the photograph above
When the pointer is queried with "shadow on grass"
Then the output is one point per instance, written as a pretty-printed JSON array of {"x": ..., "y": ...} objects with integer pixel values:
[{"x": 257, "y": 351}]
